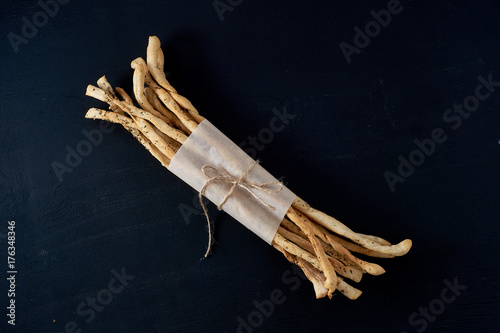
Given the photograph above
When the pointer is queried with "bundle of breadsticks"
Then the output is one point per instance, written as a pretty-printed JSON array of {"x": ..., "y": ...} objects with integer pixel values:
[{"x": 162, "y": 120}]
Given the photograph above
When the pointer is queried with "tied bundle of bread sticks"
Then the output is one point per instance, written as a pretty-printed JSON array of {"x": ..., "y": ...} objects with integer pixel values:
[{"x": 162, "y": 121}]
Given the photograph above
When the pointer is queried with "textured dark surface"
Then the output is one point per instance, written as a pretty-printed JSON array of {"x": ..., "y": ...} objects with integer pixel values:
[{"x": 119, "y": 208}]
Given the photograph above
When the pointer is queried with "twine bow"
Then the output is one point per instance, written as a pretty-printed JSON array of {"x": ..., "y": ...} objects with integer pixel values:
[{"x": 220, "y": 175}]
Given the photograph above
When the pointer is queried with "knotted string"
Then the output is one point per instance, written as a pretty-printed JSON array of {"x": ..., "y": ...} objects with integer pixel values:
[{"x": 220, "y": 175}]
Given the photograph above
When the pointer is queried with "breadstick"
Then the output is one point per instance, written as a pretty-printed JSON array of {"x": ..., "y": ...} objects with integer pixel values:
[
  {"x": 306, "y": 226},
  {"x": 335, "y": 226},
  {"x": 157, "y": 104}
]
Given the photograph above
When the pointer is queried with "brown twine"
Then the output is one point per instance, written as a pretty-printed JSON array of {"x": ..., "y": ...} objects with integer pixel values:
[{"x": 225, "y": 177}]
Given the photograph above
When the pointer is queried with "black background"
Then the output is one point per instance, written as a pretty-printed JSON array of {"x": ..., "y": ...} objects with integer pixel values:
[{"x": 119, "y": 208}]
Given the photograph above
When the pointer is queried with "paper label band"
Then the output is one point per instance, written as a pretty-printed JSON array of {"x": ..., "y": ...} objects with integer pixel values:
[{"x": 207, "y": 146}]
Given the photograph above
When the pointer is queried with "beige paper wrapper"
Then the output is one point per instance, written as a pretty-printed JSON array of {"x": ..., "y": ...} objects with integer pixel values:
[{"x": 209, "y": 146}]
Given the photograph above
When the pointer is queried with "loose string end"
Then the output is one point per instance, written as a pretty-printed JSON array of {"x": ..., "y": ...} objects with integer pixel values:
[{"x": 209, "y": 225}]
